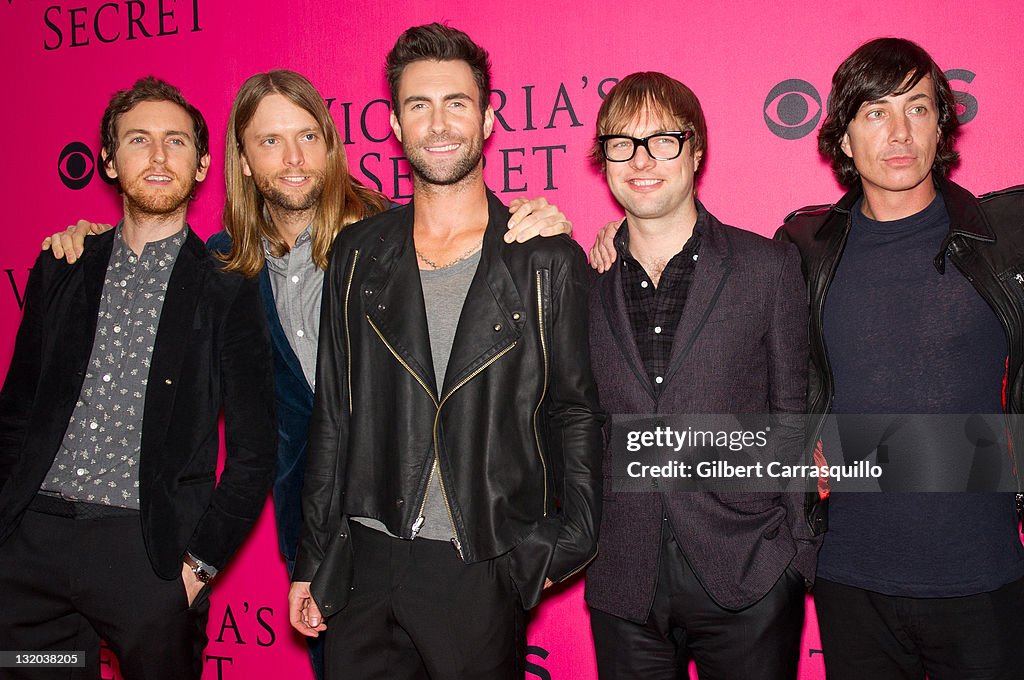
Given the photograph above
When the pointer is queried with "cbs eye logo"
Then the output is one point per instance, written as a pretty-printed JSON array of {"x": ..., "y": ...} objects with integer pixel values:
[
  {"x": 77, "y": 164},
  {"x": 792, "y": 108}
]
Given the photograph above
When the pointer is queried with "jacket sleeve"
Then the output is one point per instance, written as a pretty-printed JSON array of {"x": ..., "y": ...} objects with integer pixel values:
[
  {"x": 787, "y": 343},
  {"x": 328, "y": 429},
  {"x": 19, "y": 390},
  {"x": 575, "y": 420},
  {"x": 250, "y": 431}
]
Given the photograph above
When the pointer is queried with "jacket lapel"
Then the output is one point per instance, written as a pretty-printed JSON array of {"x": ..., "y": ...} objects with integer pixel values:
[
  {"x": 176, "y": 321},
  {"x": 613, "y": 304},
  {"x": 494, "y": 313},
  {"x": 709, "y": 276},
  {"x": 393, "y": 299},
  {"x": 76, "y": 327},
  {"x": 277, "y": 335}
]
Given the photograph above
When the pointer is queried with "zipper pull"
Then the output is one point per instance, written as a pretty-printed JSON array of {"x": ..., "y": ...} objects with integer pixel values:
[
  {"x": 458, "y": 547},
  {"x": 417, "y": 525},
  {"x": 1020, "y": 279}
]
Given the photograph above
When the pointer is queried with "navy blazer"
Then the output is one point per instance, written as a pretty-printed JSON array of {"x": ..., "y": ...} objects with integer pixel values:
[
  {"x": 294, "y": 406},
  {"x": 211, "y": 351}
]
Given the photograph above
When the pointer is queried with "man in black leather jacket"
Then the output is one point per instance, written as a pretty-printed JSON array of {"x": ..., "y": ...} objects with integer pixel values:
[
  {"x": 917, "y": 294},
  {"x": 453, "y": 469}
]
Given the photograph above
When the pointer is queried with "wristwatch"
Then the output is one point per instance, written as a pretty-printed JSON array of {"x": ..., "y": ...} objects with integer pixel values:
[{"x": 203, "y": 571}]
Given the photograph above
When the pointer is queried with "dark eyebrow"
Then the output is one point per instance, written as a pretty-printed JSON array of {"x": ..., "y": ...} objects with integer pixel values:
[
  {"x": 883, "y": 100},
  {"x": 137, "y": 131},
  {"x": 447, "y": 98}
]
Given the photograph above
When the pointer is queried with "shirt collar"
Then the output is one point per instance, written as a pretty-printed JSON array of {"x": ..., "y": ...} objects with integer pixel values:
[
  {"x": 167, "y": 246},
  {"x": 621, "y": 239},
  {"x": 281, "y": 263}
]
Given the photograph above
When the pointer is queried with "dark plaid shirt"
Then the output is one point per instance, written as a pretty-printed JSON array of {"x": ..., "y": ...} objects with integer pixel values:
[{"x": 654, "y": 311}]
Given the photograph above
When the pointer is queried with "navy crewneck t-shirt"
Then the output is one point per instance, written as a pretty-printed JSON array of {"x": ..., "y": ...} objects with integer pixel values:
[{"x": 904, "y": 339}]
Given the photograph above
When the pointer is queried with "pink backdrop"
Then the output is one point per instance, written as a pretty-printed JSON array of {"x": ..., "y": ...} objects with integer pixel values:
[{"x": 762, "y": 75}]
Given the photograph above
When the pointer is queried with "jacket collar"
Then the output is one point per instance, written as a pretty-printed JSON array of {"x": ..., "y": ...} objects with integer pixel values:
[
  {"x": 965, "y": 215},
  {"x": 493, "y": 315},
  {"x": 966, "y": 218}
]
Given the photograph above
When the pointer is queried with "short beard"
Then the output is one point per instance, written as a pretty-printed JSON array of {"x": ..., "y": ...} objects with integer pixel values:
[
  {"x": 142, "y": 205},
  {"x": 463, "y": 167},
  {"x": 277, "y": 197}
]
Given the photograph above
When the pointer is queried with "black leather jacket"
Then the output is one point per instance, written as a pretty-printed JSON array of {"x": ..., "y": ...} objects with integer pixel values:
[
  {"x": 515, "y": 429},
  {"x": 985, "y": 243}
]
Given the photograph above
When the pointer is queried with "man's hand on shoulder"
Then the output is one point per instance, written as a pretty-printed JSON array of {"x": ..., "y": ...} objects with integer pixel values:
[
  {"x": 602, "y": 253},
  {"x": 303, "y": 613},
  {"x": 70, "y": 243},
  {"x": 535, "y": 217}
]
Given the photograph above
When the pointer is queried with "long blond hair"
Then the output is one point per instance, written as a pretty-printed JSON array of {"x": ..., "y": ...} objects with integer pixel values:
[{"x": 344, "y": 200}]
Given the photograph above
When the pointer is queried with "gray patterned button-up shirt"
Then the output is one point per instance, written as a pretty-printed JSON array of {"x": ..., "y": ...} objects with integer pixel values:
[{"x": 99, "y": 457}]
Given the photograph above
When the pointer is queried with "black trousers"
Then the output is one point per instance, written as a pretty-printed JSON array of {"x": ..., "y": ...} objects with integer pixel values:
[
  {"x": 417, "y": 611},
  {"x": 761, "y": 642},
  {"x": 67, "y": 582},
  {"x": 883, "y": 637}
]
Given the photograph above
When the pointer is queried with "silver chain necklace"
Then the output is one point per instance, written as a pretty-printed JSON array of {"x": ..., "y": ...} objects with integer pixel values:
[{"x": 433, "y": 265}]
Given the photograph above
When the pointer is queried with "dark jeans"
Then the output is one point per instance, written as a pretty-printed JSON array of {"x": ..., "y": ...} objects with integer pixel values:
[
  {"x": 67, "y": 582},
  {"x": 761, "y": 642},
  {"x": 418, "y": 611},
  {"x": 883, "y": 637}
]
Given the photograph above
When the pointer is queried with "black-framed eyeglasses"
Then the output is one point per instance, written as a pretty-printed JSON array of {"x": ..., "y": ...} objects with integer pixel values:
[{"x": 663, "y": 146}]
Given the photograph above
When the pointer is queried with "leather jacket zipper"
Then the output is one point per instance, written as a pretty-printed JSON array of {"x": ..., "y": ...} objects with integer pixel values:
[
  {"x": 541, "y": 279},
  {"x": 348, "y": 335},
  {"x": 456, "y": 543},
  {"x": 418, "y": 522}
]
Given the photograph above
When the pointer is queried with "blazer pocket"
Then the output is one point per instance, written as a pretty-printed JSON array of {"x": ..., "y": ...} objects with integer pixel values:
[{"x": 188, "y": 480}]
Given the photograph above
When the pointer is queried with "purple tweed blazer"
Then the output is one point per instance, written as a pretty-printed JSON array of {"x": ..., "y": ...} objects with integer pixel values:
[{"x": 741, "y": 347}]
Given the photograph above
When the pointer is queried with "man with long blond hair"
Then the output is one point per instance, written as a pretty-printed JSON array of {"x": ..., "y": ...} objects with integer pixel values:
[{"x": 289, "y": 193}]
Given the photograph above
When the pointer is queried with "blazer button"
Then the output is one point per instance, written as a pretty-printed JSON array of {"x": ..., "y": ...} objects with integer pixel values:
[
  {"x": 167, "y": 382},
  {"x": 497, "y": 327},
  {"x": 400, "y": 502},
  {"x": 382, "y": 307},
  {"x": 516, "y": 316}
]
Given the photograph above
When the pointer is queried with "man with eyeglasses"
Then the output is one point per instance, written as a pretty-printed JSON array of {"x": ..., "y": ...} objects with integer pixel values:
[{"x": 696, "y": 317}]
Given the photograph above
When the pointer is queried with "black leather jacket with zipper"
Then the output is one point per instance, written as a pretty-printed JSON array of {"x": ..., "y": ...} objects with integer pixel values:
[
  {"x": 985, "y": 243},
  {"x": 515, "y": 429}
]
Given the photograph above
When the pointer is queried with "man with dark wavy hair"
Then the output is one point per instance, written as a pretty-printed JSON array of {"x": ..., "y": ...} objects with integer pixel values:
[
  {"x": 112, "y": 516},
  {"x": 916, "y": 299}
]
